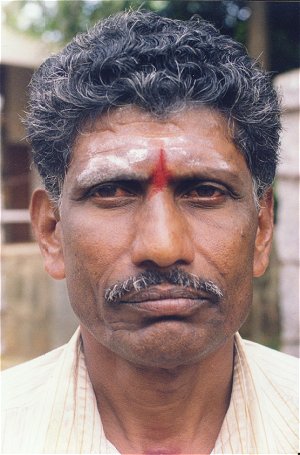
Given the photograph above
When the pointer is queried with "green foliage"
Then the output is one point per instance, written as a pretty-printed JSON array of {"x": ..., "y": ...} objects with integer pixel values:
[{"x": 60, "y": 20}]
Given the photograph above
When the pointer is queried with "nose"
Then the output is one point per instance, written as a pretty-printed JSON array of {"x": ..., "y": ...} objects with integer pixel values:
[{"x": 162, "y": 236}]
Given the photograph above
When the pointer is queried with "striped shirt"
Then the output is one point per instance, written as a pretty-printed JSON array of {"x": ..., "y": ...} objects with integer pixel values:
[{"x": 49, "y": 405}]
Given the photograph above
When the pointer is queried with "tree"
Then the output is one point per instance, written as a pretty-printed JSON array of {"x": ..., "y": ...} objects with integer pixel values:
[{"x": 270, "y": 29}]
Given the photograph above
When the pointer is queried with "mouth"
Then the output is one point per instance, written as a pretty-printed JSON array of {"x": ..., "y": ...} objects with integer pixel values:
[{"x": 178, "y": 302}]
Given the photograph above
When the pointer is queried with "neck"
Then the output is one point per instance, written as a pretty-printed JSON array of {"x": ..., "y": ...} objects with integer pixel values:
[{"x": 148, "y": 410}]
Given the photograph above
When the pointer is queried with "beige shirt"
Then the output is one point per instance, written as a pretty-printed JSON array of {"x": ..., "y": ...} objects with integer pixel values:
[{"x": 49, "y": 405}]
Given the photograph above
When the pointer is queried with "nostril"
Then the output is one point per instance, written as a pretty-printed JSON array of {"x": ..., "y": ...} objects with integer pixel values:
[{"x": 152, "y": 265}]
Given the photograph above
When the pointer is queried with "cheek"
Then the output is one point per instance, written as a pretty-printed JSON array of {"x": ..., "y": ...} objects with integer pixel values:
[
  {"x": 95, "y": 251},
  {"x": 95, "y": 235},
  {"x": 226, "y": 243},
  {"x": 225, "y": 253},
  {"x": 95, "y": 248}
]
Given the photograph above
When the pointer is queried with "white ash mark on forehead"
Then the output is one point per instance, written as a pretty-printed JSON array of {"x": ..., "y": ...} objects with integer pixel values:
[{"x": 105, "y": 168}]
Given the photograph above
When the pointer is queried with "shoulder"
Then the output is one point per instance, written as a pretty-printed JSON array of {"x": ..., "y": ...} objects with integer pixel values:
[
  {"x": 29, "y": 393},
  {"x": 21, "y": 385},
  {"x": 280, "y": 371},
  {"x": 270, "y": 357}
]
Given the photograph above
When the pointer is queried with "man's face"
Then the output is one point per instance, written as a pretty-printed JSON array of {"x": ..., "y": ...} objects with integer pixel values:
[{"x": 146, "y": 194}]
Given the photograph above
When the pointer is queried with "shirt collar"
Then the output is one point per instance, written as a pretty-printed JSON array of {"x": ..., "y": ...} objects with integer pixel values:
[{"x": 74, "y": 424}]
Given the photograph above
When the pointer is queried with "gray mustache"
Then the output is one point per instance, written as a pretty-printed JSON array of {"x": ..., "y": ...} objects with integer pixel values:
[{"x": 175, "y": 276}]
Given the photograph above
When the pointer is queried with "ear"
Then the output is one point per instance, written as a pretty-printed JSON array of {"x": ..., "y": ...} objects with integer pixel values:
[
  {"x": 264, "y": 234},
  {"x": 47, "y": 229}
]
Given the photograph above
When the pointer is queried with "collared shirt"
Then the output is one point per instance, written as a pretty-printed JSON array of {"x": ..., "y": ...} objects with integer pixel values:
[{"x": 49, "y": 405}]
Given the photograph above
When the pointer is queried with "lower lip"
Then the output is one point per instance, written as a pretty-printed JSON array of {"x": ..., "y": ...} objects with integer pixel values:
[{"x": 169, "y": 307}]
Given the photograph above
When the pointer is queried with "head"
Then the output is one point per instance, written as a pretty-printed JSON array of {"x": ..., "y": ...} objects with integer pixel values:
[{"x": 157, "y": 143}]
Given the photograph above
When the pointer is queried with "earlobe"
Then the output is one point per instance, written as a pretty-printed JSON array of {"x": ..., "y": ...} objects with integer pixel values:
[
  {"x": 263, "y": 240},
  {"x": 47, "y": 230}
]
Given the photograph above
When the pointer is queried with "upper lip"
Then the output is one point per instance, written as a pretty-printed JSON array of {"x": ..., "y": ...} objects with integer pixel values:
[{"x": 153, "y": 294}]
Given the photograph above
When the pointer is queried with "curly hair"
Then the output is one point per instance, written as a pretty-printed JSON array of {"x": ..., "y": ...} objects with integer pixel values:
[{"x": 162, "y": 66}]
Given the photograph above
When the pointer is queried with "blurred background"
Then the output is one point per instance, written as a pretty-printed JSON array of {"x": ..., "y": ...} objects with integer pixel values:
[{"x": 35, "y": 312}]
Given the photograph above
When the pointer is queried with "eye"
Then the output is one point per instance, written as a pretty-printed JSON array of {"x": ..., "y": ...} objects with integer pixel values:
[
  {"x": 205, "y": 191},
  {"x": 110, "y": 190},
  {"x": 110, "y": 195}
]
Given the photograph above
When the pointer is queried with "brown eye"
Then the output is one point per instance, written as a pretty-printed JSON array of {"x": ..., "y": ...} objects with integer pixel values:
[
  {"x": 110, "y": 191},
  {"x": 205, "y": 191}
]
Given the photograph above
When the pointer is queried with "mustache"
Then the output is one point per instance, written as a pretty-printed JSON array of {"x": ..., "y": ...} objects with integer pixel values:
[{"x": 176, "y": 276}]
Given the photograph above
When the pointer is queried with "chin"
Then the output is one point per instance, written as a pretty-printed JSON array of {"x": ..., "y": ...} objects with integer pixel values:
[{"x": 168, "y": 346}]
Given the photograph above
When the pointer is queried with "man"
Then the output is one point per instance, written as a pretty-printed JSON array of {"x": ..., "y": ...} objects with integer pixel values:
[{"x": 157, "y": 143}]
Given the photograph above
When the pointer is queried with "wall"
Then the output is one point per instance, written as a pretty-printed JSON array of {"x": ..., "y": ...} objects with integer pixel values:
[
  {"x": 35, "y": 313},
  {"x": 287, "y": 233}
]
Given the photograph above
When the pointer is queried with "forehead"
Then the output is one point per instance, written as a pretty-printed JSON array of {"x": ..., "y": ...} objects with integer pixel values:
[
  {"x": 133, "y": 123},
  {"x": 129, "y": 137}
]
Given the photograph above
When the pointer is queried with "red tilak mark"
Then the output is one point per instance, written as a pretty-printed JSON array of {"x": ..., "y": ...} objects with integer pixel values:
[{"x": 161, "y": 175}]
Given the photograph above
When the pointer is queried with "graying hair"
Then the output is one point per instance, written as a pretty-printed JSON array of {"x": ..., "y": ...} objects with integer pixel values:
[
  {"x": 162, "y": 66},
  {"x": 175, "y": 276}
]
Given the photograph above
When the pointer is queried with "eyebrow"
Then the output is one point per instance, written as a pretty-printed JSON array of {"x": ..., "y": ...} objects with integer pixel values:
[
  {"x": 210, "y": 173},
  {"x": 92, "y": 177},
  {"x": 89, "y": 178}
]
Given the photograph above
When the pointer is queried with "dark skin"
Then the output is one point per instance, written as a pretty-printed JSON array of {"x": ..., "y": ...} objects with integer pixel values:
[{"x": 186, "y": 201}]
